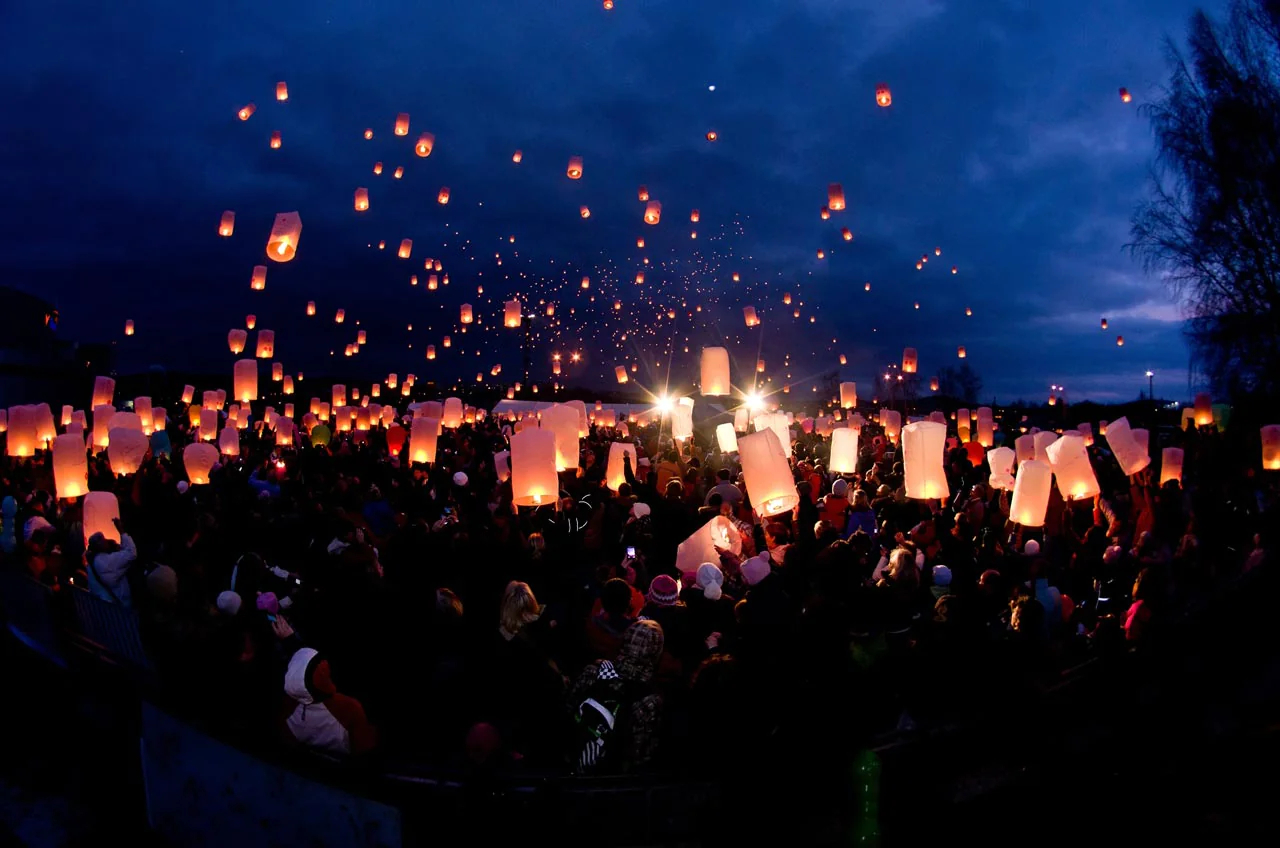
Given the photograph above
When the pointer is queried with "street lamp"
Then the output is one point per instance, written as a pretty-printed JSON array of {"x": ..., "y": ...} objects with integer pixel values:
[{"x": 1151, "y": 385}]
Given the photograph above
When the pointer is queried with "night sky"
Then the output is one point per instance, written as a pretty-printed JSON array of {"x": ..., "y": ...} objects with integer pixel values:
[{"x": 1007, "y": 146}]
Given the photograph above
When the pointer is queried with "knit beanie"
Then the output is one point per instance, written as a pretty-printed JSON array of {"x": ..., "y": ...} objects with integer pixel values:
[
  {"x": 663, "y": 591},
  {"x": 756, "y": 569},
  {"x": 229, "y": 603},
  {"x": 710, "y": 579},
  {"x": 840, "y": 488}
]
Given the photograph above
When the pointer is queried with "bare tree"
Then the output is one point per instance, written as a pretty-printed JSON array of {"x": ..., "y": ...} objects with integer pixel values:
[
  {"x": 962, "y": 383},
  {"x": 1211, "y": 228}
]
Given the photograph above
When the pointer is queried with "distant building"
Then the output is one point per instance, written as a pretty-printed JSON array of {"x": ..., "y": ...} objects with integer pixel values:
[{"x": 36, "y": 363}]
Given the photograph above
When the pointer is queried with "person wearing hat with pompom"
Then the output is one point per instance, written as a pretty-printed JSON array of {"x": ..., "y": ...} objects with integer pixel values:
[
  {"x": 710, "y": 609},
  {"x": 663, "y": 605}
]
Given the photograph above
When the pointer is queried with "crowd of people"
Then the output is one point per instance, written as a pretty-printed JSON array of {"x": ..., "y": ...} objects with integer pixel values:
[{"x": 337, "y": 598}]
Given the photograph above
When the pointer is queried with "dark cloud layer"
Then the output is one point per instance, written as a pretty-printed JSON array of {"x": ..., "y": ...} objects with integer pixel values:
[{"x": 1007, "y": 146}]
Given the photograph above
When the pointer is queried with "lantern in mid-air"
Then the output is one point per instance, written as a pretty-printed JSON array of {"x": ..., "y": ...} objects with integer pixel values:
[
  {"x": 960, "y": 352},
  {"x": 266, "y": 348},
  {"x": 517, "y": 156},
  {"x": 924, "y": 444},
  {"x": 276, "y": 141},
  {"x": 848, "y": 395},
  {"x": 1031, "y": 491},
  {"x": 402, "y": 124},
  {"x": 883, "y": 96},
  {"x": 835, "y": 197},
  {"x": 1125, "y": 96},
  {"x": 406, "y": 248},
  {"x": 245, "y": 380},
  {"x": 749, "y": 315},
  {"x": 652, "y": 212},
  {"x": 715, "y": 371},
  {"x": 574, "y": 171},
  {"x": 362, "y": 199},
  {"x": 227, "y": 224},
  {"x": 285, "y": 233},
  {"x": 770, "y": 484},
  {"x": 258, "y": 282},
  {"x": 443, "y": 196},
  {"x": 246, "y": 111},
  {"x": 465, "y": 314},
  {"x": 236, "y": 340},
  {"x": 282, "y": 91},
  {"x": 534, "y": 481},
  {"x": 426, "y": 142},
  {"x": 511, "y": 313},
  {"x": 909, "y": 360}
]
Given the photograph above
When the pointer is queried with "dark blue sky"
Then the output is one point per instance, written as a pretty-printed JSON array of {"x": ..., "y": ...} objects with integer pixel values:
[{"x": 1007, "y": 146}]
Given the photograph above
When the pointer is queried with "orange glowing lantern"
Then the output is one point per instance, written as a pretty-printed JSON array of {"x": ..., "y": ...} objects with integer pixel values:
[
  {"x": 258, "y": 282},
  {"x": 822, "y": 254},
  {"x": 846, "y": 233},
  {"x": 1119, "y": 341},
  {"x": 402, "y": 123},
  {"x": 466, "y": 316},
  {"x": 584, "y": 212},
  {"x": 1104, "y": 323},
  {"x": 447, "y": 342},
  {"x": 824, "y": 213},
  {"x": 285, "y": 234},
  {"x": 574, "y": 171},
  {"x": 247, "y": 111},
  {"x": 276, "y": 140},
  {"x": 835, "y": 197},
  {"x": 266, "y": 348},
  {"x": 620, "y": 371},
  {"x": 883, "y": 96},
  {"x": 340, "y": 316},
  {"x": 652, "y": 212},
  {"x": 236, "y": 340},
  {"x": 443, "y": 197},
  {"x": 712, "y": 135},
  {"x": 368, "y": 134},
  {"x": 431, "y": 351},
  {"x": 398, "y": 172},
  {"x": 517, "y": 156},
  {"x": 128, "y": 327},
  {"x": 909, "y": 360},
  {"x": 406, "y": 248},
  {"x": 227, "y": 225},
  {"x": 749, "y": 315},
  {"x": 426, "y": 143},
  {"x": 644, "y": 194},
  {"x": 1125, "y": 96},
  {"x": 843, "y": 359},
  {"x": 282, "y": 91},
  {"x": 960, "y": 352},
  {"x": 362, "y": 199},
  {"x": 511, "y": 314},
  {"x": 377, "y": 168}
]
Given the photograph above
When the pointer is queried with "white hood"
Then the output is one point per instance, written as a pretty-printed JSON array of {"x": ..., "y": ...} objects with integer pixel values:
[{"x": 295, "y": 678}]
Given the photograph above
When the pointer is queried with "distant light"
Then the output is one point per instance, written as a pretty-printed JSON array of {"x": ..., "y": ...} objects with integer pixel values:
[
  {"x": 754, "y": 401},
  {"x": 711, "y": 88}
]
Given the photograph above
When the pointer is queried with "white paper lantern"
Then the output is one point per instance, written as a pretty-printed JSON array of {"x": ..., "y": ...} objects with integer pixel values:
[
  {"x": 533, "y": 468},
  {"x": 424, "y": 434},
  {"x": 562, "y": 421},
  {"x": 102, "y": 416},
  {"x": 1071, "y": 468},
  {"x": 1042, "y": 440},
  {"x": 584, "y": 425},
  {"x": 614, "y": 476},
  {"x": 1171, "y": 465},
  {"x": 770, "y": 485},
  {"x": 23, "y": 438},
  {"x": 284, "y": 432},
  {"x": 229, "y": 442},
  {"x": 70, "y": 467},
  {"x": 844, "y": 451},
  {"x": 777, "y": 422},
  {"x": 681, "y": 421},
  {"x": 1000, "y": 461},
  {"x": 1271, "y": 447},
  {"x": 199, "y": 458},
  {"x": 126, "y": 449},
  {"x": 848, "y": 395},
  {"x": 924, "y": 446},
  {"x": 701, "y": 546},
  {"x": 142, "y": 408},
  {"x": 1025, "y": 447},
  {"x": 891, "y": 421},
  {"x": 101, "y": 510},
  {"x": 726, "y": 438},
  {"x": 1030, "y": 500},
  {"x": 502, "y": 465},
  {"x": 104, "y": 392},
  {"x": 208, "y": 425},
  {"x": 715, "y": 372},
  {"x": 452, "y": 412},
  {"x": 741, "y": 419},
  {"x": 1129, "y": 453},
  {"x": 245, "y": 380}
]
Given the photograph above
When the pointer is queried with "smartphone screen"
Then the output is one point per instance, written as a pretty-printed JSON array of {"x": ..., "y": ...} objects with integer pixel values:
[
  {"x": 631, "y": 552},
  {"x": 271, "y": 618}
]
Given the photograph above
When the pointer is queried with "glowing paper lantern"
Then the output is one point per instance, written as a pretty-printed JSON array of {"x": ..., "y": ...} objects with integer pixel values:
[
  {"x": 614, "y": 476},
  {"x": 142, "y": 408},
  {"x": 340, "y": 316},
  {"x": 574, "y": 171},
  {"x": 891, "y": 421},
  {"x": 1025, "y": 447},
  {"x": 770, "y": 485},
  {"x": 1070, "y": 461},
  {"x": 726, "y": 438},
  {"x": 277, "y": 372},
  {"x": 562, "y": 422},
  {"x": 1030, "y": 500},
  {"x": 282, "y": 91},
  {"x": 426, "y": 143},
  {"x": 682, "y": 421},
  {"x": 749, "y": 315},
  {"x": 715, "y": 372},
  {"x": 199, "y": 459},
  {"x": 126, "y": 448},
  {"x": 701, "y": 545},
  {"x": 266, "y": 348},
  {"x": 835, "y": 197},
  {"x": 1001, "y": 460},
  {"x": 620, "y": 372},
  {"x": 245, "y": 380},
  {"x": 778, "y": 423},
  {"x": 101, "y": 511},
  {"x": 652, "y": 212},
  {"x": 104, "y": 391},
  {"x": 452, "y": 413},
  {"x": 844, "y": 451},
  {"x": 1129, "y": 453},
  {"x": 102, "y": 416},
  {"x": 883, "y": 96},
  {"x": 227, "y": 224},
  {"x": 465, "y": 314},
  {"x": 258, "y": 281},
  {"x": 208, "y": 425},
  {"x": 402, "y": 124},
  {"x": 236, "y": 340},
  {"x": 924, "y": 444},
  {"x": 909, "y": 360},
  {"x": 1125, "y": 96},
  {"x": 70, "y": 467},
  {"x": 362, "y": 199},
  {"x": 285, "y": 234},
  {"x": 1271, "y": 447},
  {"x": 361, "y": 338},
  {"x": 431, "y": 351},
  {"x": 511, "y": 314},
  {"x": 848, "y": 395},
  {"x": 1171, "y": 465},
  {"x": 284, "y": 432},
  {"x": 960, "y": 352},
  {"x": 276, "y": 140},
  {"x": 986, "y": 428},
  {"x": 741, "y": 420},
  {"x": 533, "y": 468},
  {"x": 1204, "y": 409},
  {"x": 246, "y": 111}
]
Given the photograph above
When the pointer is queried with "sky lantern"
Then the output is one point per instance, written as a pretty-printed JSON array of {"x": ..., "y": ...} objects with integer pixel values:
[
  {"x": 188, "y": 394},
  {"x": 377, "y": 168},
  {"x": 286, "y": 387},
  {"x": 1131, "y": 455},
  {"x": 643, "y": 194},
  {"x": 639, "y": 277},
  {"x": 1204, "y": 409},
  {"x": 361, "y": 337},
  {"x": 1119, "y": 341},
  {"x": 770, "y": 485},
  {"x": 749, "y": 315},
  {"x": 246, "y": 111},
  {"x": 909, "y": 360},
  {"x": 620, "y": 371},
  {"x": 266, "y": 348},
  {"x": 1025, "y": 447},
  {"x": 398, "y": 172},
  {"x": 208, "y": 425},
  {"x": 128, "y": 327},
  {"x": 712, "y": 135},
  {"x": 924, "y": 444},
  {"x": 835, "y": 197},
  {"x": 443, "y": 197},
  {"x": 574, "y": 171},
  {"x": 726, "y": 437},
  {"x": 1270, "y": 435},
  {"x": 368, "y": 134},
  {"x": 511, "y": 313},
  {"x": 362, "y": 199},
  {"x": 614, "y": 475},
  {"x": 960, "y": 352},
  {"x": 465, "y": 314},
  {"x": 426, "y": 143},
  {"x": 126, "y": 449},
  {"x": 562, "y": 422},
  {"x": 1001, "y": 461},
  {"x": 843, "y": 359},
  {"x": 848, "y": 395},
  {"x": 1171, "y": 465},
  {"x": 1125, "y": 96},
  {"x": 533, "y": 468},
  {"x": 258, "y": 281},
  {"x": 285, "y": 234},
  {"x": 846, "y": 233},
  {"x": 584, "y": 211},
  {"x": 1071, "y": 468},
  {"x": 715, "y": 372},
  {"x": 311, "y": 307},
  {"x": 640, "y": 243},
  {"x": 822, "y": 254},
  {"x": 694, "y": 216},
  {"x": 447, "y": 342},
  {"x": 276, "y": 141},
  {"x": 402, "y": 124},
  {"x": 199, "y": 459},
  {"x": 102, "y": 415},
  {"x": 282, "y": 91},
  {"x": 406, "y": 248},
  {"x": 433, "y": 282},
  {"x": 883, "y": 96},
  {"x": 652, "y": 212},
  {"x": 824, "y": 213},
  {"x": 227, "y": 224},
  {"x": 1031, "y": 493},
  {"x": 337, "y": 396},
  {"x": 101, "y": 509},
  {"x": 551, "y": 310},
  {"x": 517, "y": 156},
  {"x": 1104, "y": 323},
  {"x": 70, "y": 467},
  {"x": 844, "y": 451},
  {"x": 424, "y": 434},
  {"x": 340, "y": 316},
  {"x": 236, "y": 340}
]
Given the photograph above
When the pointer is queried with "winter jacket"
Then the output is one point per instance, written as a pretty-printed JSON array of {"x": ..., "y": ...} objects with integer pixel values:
[
  {"x": 108, "y": 578},
  {"x": 318, "y": 715}
]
